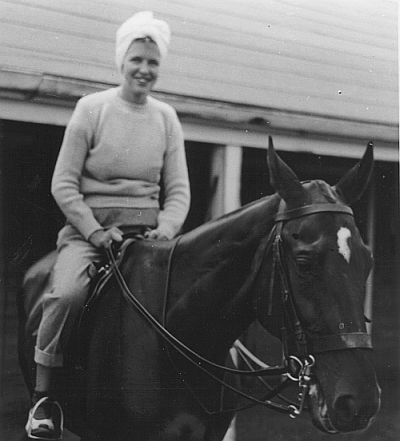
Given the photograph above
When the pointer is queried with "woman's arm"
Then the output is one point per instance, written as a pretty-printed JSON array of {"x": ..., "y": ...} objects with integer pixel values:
[
  {"x": 176, "y": 182},
  {"x": 68, "y": 171}
]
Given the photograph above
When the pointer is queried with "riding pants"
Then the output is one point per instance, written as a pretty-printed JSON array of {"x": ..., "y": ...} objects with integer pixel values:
[{"x": 63, "y": 304}]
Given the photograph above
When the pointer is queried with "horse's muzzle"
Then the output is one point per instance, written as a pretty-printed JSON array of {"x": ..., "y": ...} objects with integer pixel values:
[
  {"x": 351, "y": 413},
  {"x": 346, "y": 414}
]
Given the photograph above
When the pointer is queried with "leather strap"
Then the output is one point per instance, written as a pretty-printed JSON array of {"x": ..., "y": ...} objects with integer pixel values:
[
  {"x": 338, "y": 342},
  {"x": 311, "y": 209}
]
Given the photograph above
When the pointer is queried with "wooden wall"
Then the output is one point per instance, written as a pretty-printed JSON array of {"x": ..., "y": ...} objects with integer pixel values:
[{"x": 336, "y": 58}]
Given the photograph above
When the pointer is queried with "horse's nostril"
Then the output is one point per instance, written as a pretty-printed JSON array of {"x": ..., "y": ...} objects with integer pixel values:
[
  {"x": 351, "y": 415},
  {"x": 346, "y": 408}
]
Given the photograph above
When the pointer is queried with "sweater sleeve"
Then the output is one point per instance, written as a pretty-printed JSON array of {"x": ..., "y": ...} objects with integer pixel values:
[
  {"x": 68, "y": 171},
  {"x": 175, "y": 179}
]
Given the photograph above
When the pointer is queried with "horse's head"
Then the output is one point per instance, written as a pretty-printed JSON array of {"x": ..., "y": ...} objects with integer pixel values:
[{"x": 326, "y": 265}]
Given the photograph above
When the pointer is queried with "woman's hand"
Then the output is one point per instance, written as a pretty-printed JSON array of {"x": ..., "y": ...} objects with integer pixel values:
[
  {"x": 158, "y": 234},
  {"x": 105, "y": 238}
]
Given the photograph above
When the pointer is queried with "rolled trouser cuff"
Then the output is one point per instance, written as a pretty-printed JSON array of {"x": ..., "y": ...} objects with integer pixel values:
[{"x": 48, "y": 360}]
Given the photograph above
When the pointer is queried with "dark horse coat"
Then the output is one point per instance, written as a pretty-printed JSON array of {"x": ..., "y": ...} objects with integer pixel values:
[{"x": 121, "y": 380}]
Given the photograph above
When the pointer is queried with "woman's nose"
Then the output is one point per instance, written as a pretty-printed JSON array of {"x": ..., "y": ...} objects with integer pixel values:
[{"x": 144, "y": 67}]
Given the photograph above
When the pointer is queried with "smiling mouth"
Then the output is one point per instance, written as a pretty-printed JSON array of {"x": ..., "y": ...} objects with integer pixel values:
[{"x": 143, "y": 81}]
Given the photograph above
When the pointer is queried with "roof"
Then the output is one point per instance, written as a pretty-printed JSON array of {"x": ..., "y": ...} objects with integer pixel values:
[{"x": 333, "y": 60}]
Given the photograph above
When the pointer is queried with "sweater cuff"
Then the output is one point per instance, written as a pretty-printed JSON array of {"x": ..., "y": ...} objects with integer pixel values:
[
  {"x": 170, "y": 223},
  {"x": 167, "y": 230},
  {"x": 88, "y": 229},
  {"x": 91, "y": 234}
]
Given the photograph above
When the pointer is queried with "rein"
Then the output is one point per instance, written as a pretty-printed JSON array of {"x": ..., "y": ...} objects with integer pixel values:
[
  {"x": 296, "y": 368},
  {"x": 296, "y": 372},
  {"x": 195, "y": 358}
]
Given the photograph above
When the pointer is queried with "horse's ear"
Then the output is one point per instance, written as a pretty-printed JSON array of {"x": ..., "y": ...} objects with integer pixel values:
[
  {"x": 355, "y": 181},
  {"x": 283, "y": 179}
]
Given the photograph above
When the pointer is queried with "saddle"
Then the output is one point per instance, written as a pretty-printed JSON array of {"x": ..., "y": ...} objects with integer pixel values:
[{"x": 101, "y": 272}]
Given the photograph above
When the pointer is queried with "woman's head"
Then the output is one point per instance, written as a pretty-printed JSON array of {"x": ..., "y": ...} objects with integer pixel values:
[
  {"x": 142, "y": 42},
  {"x": 141, "y": 26},
  {"x": 140, "y": 70}
]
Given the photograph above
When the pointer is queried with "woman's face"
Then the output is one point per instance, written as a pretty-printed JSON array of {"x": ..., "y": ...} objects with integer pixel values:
[{"x": 140, "y": 70}]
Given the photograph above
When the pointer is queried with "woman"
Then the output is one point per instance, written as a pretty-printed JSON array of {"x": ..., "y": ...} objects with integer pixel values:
[{"x": 117, "y": 145}]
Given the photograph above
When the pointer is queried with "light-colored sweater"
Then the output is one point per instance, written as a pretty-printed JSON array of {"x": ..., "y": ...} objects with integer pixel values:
[{"x": 113, "y": 155}]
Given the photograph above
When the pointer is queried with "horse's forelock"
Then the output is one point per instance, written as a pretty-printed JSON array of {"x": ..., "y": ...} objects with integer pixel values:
[{"x": 321, "y": 192}]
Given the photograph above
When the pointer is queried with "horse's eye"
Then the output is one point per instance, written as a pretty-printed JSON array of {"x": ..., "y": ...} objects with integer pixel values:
[
  {"x": 304, "y": 263},
  {"x": 295, "y": 236}
]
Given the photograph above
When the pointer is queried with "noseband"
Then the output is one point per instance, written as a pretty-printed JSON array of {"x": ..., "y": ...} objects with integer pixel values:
[{"x": 315, "y": 344}]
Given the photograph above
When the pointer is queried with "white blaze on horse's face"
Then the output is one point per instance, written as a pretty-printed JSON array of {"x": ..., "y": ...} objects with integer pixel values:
[{"x": 343, "y": 235}]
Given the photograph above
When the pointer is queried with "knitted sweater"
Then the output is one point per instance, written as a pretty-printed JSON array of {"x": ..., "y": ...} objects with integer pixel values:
[{"x": 113, "y": 155}]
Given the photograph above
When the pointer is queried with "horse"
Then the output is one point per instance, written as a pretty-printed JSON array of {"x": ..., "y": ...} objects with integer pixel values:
[{"x": 148, "y": 361}]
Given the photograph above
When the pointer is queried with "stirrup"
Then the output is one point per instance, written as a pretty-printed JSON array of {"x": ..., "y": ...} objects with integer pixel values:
[{"x": 36, "y": 429}]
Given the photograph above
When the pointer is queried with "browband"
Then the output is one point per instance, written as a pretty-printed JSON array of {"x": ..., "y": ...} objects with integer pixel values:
[{"x": 311, "y": 209}]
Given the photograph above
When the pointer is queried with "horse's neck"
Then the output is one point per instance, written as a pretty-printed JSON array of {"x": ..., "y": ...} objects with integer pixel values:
[
  {"x": 216, "y": 265},
  {"x": 241, "y": 228}
]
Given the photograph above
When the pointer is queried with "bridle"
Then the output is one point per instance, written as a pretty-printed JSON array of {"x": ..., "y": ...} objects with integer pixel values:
[
  {"x": 306, "y": 347},
  {"x": 316, "y": 344},
  {"x": 295, "y": 367}
]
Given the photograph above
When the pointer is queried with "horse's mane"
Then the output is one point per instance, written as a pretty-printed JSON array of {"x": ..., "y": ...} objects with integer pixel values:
[
  {"x": 263, "y": 209},
  {"x": 241, "y": 220}
]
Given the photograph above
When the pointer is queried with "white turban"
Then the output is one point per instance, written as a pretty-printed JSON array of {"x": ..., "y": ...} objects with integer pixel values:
[{"x": 141, "y": 25}]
